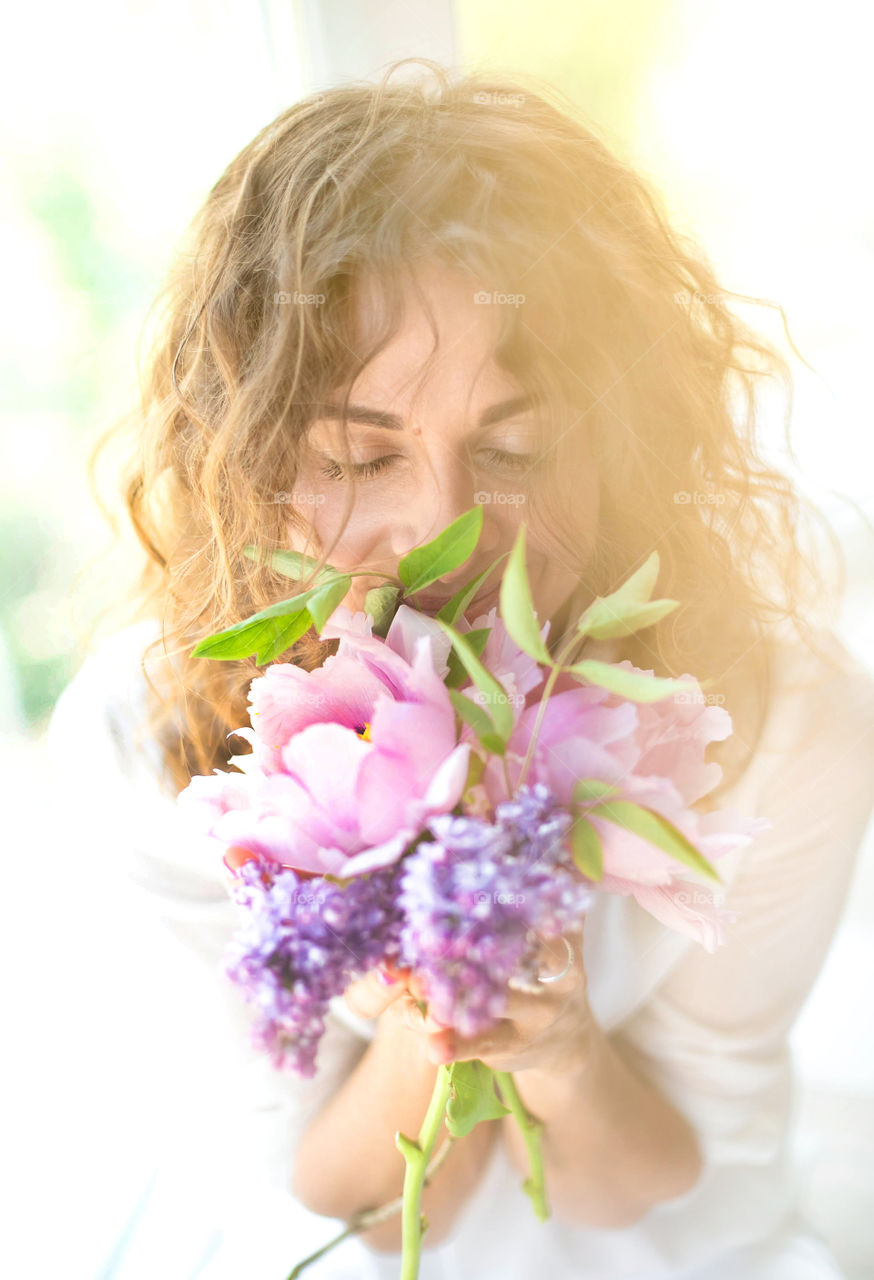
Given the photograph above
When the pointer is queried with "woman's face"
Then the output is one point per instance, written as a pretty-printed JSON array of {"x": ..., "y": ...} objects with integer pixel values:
[{"x": 423, "y": 455}]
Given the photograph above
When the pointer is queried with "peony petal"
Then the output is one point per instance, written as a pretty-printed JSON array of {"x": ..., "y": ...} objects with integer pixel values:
[
  {"x": 407, "y": 627},
  {"x": 687, "y": 908}
]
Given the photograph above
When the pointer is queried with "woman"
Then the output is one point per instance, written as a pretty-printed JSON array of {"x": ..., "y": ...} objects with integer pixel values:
[{"x": 397, "y": 301}]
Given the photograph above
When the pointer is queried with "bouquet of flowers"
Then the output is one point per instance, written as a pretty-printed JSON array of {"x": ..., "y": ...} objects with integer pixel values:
[{"x": 443, "y": 796}]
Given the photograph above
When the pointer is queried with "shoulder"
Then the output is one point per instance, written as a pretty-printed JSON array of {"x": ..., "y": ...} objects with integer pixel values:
[
  {"x": 811, "y": 778},
  {"x": 817, "y": 706},
  {"x": 112, "y": 669},
  {"x": 97, "y": 714},
  {"x": 821, "y": 701}
]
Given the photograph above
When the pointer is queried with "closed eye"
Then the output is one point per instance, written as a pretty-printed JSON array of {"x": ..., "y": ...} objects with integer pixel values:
[
  {"x": 334, "y": 471},
  {"x": 510, "y": 461},
  {"x": 499, "y": 458}
]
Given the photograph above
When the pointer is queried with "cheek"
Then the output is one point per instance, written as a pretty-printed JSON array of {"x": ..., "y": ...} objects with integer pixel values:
[
  {"x": 579, "y": 498},
  {"x": 350, "y": 539},
  {"x": 571, "y": 507}
]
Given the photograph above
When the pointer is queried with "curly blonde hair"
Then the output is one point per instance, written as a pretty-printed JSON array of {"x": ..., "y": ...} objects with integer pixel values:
[{"x": 624, "y": 328}]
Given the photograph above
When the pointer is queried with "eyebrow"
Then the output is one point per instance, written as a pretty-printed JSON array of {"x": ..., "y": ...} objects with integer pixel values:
[{"x": 391, "y": 422}]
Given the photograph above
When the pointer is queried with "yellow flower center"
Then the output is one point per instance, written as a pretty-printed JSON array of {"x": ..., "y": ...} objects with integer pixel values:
[{"x": 365, "y": 732}]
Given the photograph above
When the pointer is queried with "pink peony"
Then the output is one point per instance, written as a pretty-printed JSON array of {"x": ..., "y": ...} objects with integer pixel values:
[
  {"x": 349, "y": 761},
  {"x": 654, "y": 753}
]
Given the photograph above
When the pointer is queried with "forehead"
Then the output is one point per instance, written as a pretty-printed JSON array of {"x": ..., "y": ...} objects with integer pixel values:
[{"x": 443, "y": 348}]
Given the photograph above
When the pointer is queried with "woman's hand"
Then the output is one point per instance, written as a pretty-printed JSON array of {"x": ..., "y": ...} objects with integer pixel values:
[
  {"x": 550, "y": 1029},
  {"x": 371, "y": 995}
]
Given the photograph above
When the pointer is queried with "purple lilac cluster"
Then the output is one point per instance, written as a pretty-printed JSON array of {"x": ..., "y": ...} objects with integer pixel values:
[
  {"x": 301, "y": 942},
  {"x": 463, "y": 910},
  {"x": 476, "y": 897}
]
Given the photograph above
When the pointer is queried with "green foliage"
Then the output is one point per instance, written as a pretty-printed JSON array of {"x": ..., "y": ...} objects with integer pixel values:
[
  {"x": 382, "y": 604},
  {"x": 588, "y": 853},
  {"x": 454, "y": 608},
  {"x": 446, "y": 552},
  {"x": 477, "y": 639},
  {"x": 656, "y": 829},
  {"x": 629, "y": 608},
  {"x": 473, "y": 1097},
  {"x": 517, "y": 609},
  {"x": 500, "y": 713},
  {"x": 269, "y": 632},
  {"x": 634, "y": 685}
]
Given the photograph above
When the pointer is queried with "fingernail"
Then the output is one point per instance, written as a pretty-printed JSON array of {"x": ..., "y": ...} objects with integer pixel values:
[{"x": 386, "y": 978}]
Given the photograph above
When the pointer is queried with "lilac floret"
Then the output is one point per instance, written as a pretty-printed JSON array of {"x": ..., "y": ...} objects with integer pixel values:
[
  {"x": 476, "y": 898},
  {"x": 301, "y": 942}
]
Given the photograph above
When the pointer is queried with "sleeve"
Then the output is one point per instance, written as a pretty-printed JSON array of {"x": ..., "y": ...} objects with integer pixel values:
[
  {"x": 144, "y": 862},
  {"x": 714, "y": 1035}
]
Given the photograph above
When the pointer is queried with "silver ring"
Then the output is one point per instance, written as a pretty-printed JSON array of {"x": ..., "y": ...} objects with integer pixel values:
[{"x": 554, "y": 977}]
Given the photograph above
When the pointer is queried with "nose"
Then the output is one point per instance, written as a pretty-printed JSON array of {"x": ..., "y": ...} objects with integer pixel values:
[{"x": 446, "y": 492}]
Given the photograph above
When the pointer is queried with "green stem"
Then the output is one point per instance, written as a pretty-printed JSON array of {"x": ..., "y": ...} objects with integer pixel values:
[
  {"x": 541, "y": 710},
  {"x": 531, "y": 1129},
  {"x": 417, "y": 1155},
  {"x": 368, "y": 1218}
]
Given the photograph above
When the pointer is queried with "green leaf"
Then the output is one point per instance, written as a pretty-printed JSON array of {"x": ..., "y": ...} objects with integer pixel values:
[
  {"x": 656, "y": 829},
  {"x": 473, "y": 1097},
  {"x": 517, "y": 609},
  {"x": 475, "y": 770},
  {"x": 454, "y": 608},
  {"x": 601, "y": 622},
  {"x": 628, "y": 608},
  {"x": 477, "y": 639},
  {"x": 634, "y": 685},
  {"x": 244, "y": 638},
  {"x": 586, "y": 848},
  {"x": 382, "y": 603},
  {"x": 322, "y": 604},
  {"x": 591, "y": 789},
  {"x": 446, "y": 552},
  {"x": 263, "y": 638},
  {"x": 499, "y": 709},
  {"x": 639, "y": 585},
  {"x": 290, "y": 563},
  {"x": 287, "y": 631},
  {"x": 472, "y": 713}
]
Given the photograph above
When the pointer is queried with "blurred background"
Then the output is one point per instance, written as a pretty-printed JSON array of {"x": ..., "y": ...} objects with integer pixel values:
[{"x": 116, "y": 119}]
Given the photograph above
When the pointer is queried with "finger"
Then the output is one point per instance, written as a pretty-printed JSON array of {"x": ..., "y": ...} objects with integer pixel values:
[
  {"x": 236, "y": 855},
  {"x": 395, "y": 970},
  {"x": 499, "y": 1041},
  {"x": 440, "y": 1039},
  {"x": 368, "y": 997}
]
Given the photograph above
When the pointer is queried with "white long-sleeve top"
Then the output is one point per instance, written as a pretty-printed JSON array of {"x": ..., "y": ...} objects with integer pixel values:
[{"x": 709, "y": 1029}]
